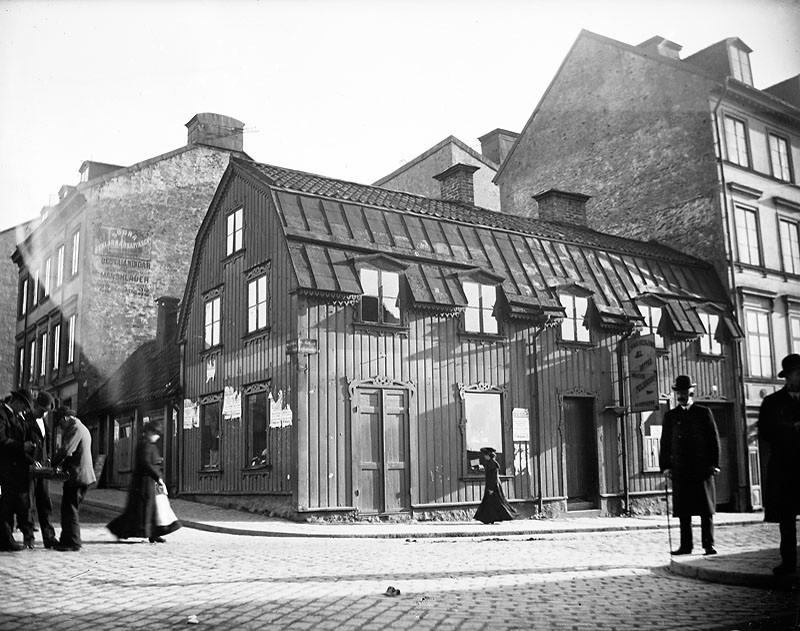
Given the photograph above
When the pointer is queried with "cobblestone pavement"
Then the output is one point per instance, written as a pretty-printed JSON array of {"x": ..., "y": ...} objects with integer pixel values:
[{"x": 613, "y": 580}]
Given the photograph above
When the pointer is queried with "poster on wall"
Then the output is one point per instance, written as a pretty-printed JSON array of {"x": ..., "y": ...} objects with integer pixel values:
[
  {"x": 520, "y": 428},
  {"x": 191, "y": 415},
  {"x": 231, "y": 404},
  {"x": 279, "y": 415},
  {"x": 121, "y": 261}
]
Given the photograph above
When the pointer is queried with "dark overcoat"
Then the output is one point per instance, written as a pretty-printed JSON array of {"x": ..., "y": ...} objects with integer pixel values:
[
  {"x": 776, "y": 418},
  {"x": 690, "y": 448},
  {"x": 14, "y": 461},
  {"x": 494, "y": 506},
  {"x": 138, "y": 519}
]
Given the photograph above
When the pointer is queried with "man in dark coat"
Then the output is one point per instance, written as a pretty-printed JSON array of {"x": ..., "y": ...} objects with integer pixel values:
[
  {"x": 75, "y": 456},
  {"x": 779, "y": 427},
  {"x": 16, "y": 452},
  {"x": 690, "y": 457},
  {"x": 39, "y": 485}
]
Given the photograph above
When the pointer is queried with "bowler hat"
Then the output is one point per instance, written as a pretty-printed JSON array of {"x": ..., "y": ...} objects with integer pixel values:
[
  {"x": 683, "y": 382},
  {"x": 45, "y": 400},
  {"x": 63, "y": 411},
  {"x": 789, "y": 363},
  {"x": 489, "y": 451},
  {"x": 25, "y": 395}
]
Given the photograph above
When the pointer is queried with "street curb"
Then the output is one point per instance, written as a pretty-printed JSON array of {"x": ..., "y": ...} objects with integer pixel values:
[{"x": 711, "y": 574}]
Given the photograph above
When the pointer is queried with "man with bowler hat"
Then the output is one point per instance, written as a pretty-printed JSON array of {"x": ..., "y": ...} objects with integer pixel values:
[
  {"x": 16, "y": 455},
  {"x": 75, "y": 456},
  {"x": 690, "y": 458},
  {"x": 39, "y": 485},
  {"x": 779, "y": 428}
]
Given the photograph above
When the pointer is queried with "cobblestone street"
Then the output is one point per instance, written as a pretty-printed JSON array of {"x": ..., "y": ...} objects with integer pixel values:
[{"x": 613, "y": 580}]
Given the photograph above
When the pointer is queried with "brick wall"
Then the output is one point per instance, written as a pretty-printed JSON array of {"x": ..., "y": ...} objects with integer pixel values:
[{"x": 634, "y": 134}]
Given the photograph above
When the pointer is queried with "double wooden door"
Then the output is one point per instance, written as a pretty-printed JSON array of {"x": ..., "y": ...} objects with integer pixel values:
[{"x": 380, "y": 451}]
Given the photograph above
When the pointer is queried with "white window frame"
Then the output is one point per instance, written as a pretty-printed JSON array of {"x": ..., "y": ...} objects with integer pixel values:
[
  {"x": 76, "y": 245},
  {"x": 71, "y": 339},
  {"x": 48, "y": 265},
  {"x": 36, "y": 288},
  {"x": 479, "y": 312},
  {"x": 789, "y": 233},
  {"x": 32, "y": 360},
  {"x": 652, "y": 315},
  {"x": 779, "y": 157},
  {"x": 23, "y": 305},
  {"x": 758, "y": 339},
  {"x": 257, "y": 303},
  {"x": 56, "y": 363},
  {"x": 234, "y": 231},
  {"x": 708, "y": 342},
  {"x": 382, "y": 288},
  {"x": 43, "y": 354},
  {"x": 60, "y": 265},
  {"x": 573, "y": 327},
  {"x": 736, "y": 141},
  {"x": 212, "y": 322},
  {"x": 740, "y": 65},
  {"x": 748, "y": 235}
]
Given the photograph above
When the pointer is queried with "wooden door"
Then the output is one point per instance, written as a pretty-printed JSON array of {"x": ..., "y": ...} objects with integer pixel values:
[
  {"x": 380, "y": 451},
  {"x": 725, "y": 482},
  {"x": 580, "y": 446}
]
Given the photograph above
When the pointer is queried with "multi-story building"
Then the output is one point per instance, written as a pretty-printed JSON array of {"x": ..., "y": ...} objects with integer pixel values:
[
  {"x": 690, "y": 153},
  {"x": 90, "y": 273},
  {"x": 419, "y": 176}
]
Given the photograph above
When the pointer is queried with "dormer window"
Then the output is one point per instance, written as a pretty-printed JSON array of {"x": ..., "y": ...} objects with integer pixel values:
[
  {"x": 708, "y": 342},
  {"x": 573, "y": 326},
  {"x": 479, "y": 312},
  {"x": 652, "y": 320},
  {"x": 740, "y": 65},
  {"x": 379, "y": 300}
]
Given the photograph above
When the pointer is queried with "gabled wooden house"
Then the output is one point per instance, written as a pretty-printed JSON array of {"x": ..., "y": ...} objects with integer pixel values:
[{"x": 347, "y": 350}]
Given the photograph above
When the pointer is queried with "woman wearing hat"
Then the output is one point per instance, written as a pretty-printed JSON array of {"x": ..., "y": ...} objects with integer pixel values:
[
  {"x": 779, "y": 428},
  {"x": 494, "y": 506},
  {"x": 139, "y": 517},
  {"x": 690, "y": 457}
]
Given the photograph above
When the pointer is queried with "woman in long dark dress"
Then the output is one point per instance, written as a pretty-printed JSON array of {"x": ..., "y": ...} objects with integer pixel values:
[
  {"x": 494, "y": 506},
  {"x": 138, "y": 519}
]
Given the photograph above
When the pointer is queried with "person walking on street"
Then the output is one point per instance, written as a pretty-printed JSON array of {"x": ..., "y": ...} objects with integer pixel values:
[
  {"x": 494, "y": 506},
  {"x": 139, "y": 516},
  {"x": 690, "y": 458},
  {"x": 16, "y": 456},
  {"x": 779, "y": 427},
  {"x": 39, "y": 485},
  {"x": 75, "y": 457}
]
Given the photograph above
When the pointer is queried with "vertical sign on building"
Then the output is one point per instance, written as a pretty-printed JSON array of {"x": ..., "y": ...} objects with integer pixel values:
[{"x": 642, "y": 373}]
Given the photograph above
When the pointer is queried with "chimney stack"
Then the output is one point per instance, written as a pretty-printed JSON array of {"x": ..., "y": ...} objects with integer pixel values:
[
  {"x": 496, "y": 144},
  {"x": 555, "y": 205},
  {"x": 216, "y": 130},
  {"x": 167, "y": 324},
  {"x": 661, "y": 46},
  {"x": 457, "y": 183}
]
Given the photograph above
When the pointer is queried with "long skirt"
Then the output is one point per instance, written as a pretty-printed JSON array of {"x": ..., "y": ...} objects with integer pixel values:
[
  {"x": 139, "y": 517},
  {"x": 494, "y": 507}
]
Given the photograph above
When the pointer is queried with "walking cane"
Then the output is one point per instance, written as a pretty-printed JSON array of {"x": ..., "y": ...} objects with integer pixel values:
[{"x": 666, "y": 498}]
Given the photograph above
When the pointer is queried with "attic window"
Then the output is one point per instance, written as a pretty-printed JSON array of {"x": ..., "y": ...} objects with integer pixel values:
[
  {"x": 380, "y": 298},
  {"x": 573, "y": 326},
  {"x": 233, "y": 231},
  {"x": 708, "y": 342},
  {"x": 652, "y": 320},
  {"x": 740, "y": 65},
  {"x": 479, "y": 313}
]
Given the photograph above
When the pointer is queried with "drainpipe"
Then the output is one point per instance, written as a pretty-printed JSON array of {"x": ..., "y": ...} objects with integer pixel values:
[
  {"x": 534, "y": 372},
  {"x": 738, "y": 360},
  {"x": 620, "y": 411}
]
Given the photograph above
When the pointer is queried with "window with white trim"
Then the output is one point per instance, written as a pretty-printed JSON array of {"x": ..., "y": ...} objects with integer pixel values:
[
  {"x": 32, "y": 360},
  {"x": 56, "y": 347},
  {"x": 257, "y": 304},
  {"x": 740, "y": 65},
  {"x": 234, "y": 231},
  {"x": 48, "y": 264},
  {"x": 36, "y": 288},
  {"x": 747, "y": 238},
  {"x": 573, "y": 326},
  {"x": 23, "y": 296},
  {"x": 71, "y": 339},
  {"x": 759, "y": 348},
  {"x": 736, "y": 141},
  {"x": 60, "y": 265},
  {"x": 708, "y": 342},
  {"x": 779, "y": 157},
  {"x": 652, "y": 319},
  {"x": 43, "y": 354},
  {"x": 212, "y": 322},
  {"x": 479, "y": 312},
  {"x": 380, "y": 298},
  {"x": 794, "y": 333},
  {"x": 76, "y": 245},
  {"x": 483, "y": 412},
  {"x": 790, "y": 246},
  {"x": 21, "y": 366}
]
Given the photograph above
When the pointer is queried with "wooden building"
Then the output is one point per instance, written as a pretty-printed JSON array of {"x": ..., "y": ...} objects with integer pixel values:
[{"x": 348, "y": 349}]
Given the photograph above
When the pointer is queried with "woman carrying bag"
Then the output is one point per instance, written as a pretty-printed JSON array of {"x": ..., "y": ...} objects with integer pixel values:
[{"x": 147, "y": 511}]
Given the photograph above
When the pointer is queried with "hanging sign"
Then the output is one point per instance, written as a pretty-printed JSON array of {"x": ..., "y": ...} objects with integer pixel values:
[
  {"x": 302, "y": 346},
  {"x": 643, "y": 373}
]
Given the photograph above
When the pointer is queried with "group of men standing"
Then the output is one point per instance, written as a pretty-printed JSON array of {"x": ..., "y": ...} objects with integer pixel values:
[{"x": 25, "y": 444}]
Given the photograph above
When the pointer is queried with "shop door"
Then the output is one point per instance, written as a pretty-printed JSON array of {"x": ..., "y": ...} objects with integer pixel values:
[
  {"x": 380, "y": 451},
  {"x": 580, "y": 448}
]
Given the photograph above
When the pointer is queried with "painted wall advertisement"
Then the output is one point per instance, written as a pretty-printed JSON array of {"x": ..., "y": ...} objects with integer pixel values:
[{"x": 122, "y": 260}]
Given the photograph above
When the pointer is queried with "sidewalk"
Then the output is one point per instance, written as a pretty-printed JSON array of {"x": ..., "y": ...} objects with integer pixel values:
[{"x": 750, "y": 567}]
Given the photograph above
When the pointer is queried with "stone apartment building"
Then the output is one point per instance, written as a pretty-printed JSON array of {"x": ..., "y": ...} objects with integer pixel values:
[
  {"x": 419, "y": 176},
  {"x": 90, "y": 274},
  {"x": 690, "y": 153}
]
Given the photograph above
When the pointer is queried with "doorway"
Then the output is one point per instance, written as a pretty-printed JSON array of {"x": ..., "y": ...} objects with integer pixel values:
[
  {"x": 580, "y": 446},
  {"x": 380, "y": 451}
]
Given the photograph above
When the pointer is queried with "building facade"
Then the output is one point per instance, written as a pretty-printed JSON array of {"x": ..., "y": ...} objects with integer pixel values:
[
  {"x": 90, "y": 272},
  {"x": 347, "y": 350},
  {"x": 687, "y": 152}
]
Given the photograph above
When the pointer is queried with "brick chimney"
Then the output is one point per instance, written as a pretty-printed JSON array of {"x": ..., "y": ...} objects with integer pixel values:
[
  {"x": 661, "y": 46},
  {"x": 457, "y": 183},
  {"x": 497, "y": 143},
  {"x": 555, "y": 205},
  {"x": 216, "y": 130},
  {"x": 167, "y": 324}
]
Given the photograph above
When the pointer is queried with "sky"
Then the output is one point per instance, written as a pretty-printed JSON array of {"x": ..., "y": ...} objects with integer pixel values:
[{"x": 349, "y": 89}]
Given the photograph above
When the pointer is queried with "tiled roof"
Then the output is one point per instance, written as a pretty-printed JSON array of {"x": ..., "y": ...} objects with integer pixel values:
[{"x": 152, "y": 372}]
